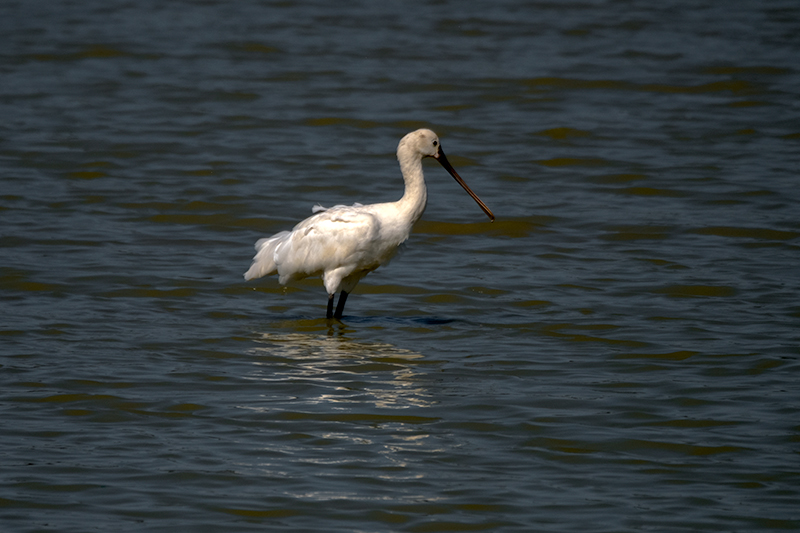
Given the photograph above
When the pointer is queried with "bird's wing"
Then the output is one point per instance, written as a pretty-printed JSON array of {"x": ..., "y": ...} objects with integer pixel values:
[
  {"x": 319, "y": 208},
  {"x": 339, "y": 237}
]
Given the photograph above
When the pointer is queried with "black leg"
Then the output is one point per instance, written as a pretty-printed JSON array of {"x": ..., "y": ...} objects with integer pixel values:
[
  {"x": 340, "y": 306},
  {"x": 330, "y": 306}
]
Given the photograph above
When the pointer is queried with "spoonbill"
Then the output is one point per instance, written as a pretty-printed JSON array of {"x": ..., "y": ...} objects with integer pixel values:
[{"x": 345, "y": 243}]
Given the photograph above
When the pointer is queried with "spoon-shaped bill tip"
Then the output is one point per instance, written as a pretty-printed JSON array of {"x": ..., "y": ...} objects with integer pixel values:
[{"x": 440, "y": 157}]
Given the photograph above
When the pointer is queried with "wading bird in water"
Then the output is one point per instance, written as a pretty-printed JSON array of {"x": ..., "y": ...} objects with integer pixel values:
[{"x": 345, "y": 243}]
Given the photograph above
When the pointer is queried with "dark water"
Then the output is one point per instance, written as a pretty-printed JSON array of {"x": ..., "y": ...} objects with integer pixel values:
[{"x": 618, "y": 352}]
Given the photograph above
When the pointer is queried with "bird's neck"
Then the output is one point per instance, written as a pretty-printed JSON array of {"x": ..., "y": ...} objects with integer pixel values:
[{"x": 415, "y": 198}]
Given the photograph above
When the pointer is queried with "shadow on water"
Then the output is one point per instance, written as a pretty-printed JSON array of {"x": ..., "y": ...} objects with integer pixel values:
[{"x": 350, "y": 324}]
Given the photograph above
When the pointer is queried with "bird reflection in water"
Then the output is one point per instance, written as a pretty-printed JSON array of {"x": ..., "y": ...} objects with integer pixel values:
[{"x": 344, "y": 370}]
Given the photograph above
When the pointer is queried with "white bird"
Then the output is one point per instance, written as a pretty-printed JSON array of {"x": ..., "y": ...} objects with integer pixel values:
[{"x": 345, "y": 243}]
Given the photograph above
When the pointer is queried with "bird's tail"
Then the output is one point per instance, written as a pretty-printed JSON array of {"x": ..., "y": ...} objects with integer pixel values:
[{"x": 264, "y": 260}]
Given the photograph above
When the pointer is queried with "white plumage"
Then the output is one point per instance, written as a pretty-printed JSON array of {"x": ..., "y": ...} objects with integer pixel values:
[{"x": 345, "y": 243}]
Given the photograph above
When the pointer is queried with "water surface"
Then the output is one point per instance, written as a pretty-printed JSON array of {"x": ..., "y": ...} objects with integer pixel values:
[{"x": 617, "y": 352}]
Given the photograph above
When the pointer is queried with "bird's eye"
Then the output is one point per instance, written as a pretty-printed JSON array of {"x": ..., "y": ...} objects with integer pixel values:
[{"x": 436, "y": 143}]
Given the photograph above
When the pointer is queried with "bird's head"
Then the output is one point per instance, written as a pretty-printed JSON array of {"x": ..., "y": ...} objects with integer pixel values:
[{"x": 423, "y": 141}]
